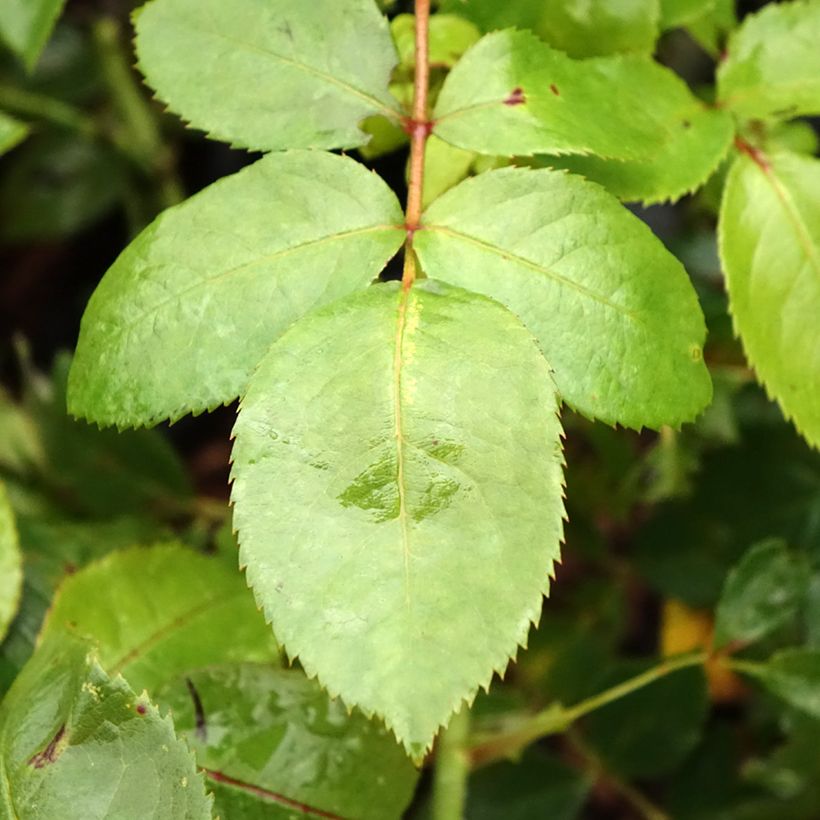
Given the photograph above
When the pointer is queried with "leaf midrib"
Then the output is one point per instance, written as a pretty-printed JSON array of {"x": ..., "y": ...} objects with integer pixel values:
[
  {"x": 398, "y": 360},
  {"x": 528, "y": 263}
]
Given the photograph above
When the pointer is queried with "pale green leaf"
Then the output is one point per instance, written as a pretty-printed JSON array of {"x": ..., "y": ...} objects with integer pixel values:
[
  {"x": 512, "y": 94},
  {"x": 449, "y": 37},
  {"x": 680, "y": 166},
  {"x": 612, "y": 309},
  {"x": 675, "y": 13},
  {"x": 772, "y": 67},
  {"x": 76, "y": 744},
  {"x": 384, "y": 496},
  {"x": 712, "y": 28},
  {"x": 270, "y": 741},
  {"x": 190, "y": 307},
  {"x": 582, "y": 28},
  {"x": 25, "y": 26},
  {"x": 11, "y": 564},
  {"x": 770, "y": 248},
  {"x": 270, "y": 74},
  {"x": 444, "y": 166},
  {"x": 791, "y": 674},
  {"x": 156, "y": 613},
  {"x": 761, "y": 593},
  {"x": 11, "y": 132}
]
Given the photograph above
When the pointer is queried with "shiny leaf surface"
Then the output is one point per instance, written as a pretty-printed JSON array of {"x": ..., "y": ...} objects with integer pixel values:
[
  {"x": 273, "y": 745},
  {"x": 270, "y": 74},
  {"x": 184, "y": 315},
  {"x": 612, "y": 309},
  {"x": 385, "y": 493},
  {"x": 11, "y": 132},
  {"x": 761, "y": 593}
]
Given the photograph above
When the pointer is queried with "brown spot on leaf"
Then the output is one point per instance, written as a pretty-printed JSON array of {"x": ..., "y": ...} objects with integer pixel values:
[
  {"x": 51, "y": 752},
  {"x": 554, "y": 89},
  {"x": 686, "y": 124},
  {"x": 517, "y": 97},
  {"x": 141, "y": 710},
  {"x": 199, "y": 712}
]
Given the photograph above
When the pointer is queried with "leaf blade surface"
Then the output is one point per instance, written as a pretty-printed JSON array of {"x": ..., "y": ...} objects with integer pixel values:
[
  {"x": 359, "y": 553},
  {"x": 190, "y": 307}
]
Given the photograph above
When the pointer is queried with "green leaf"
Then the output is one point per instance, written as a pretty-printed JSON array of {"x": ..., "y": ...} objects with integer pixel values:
[
  {"x": 270, "y": 75},
  {"x": 582, "y": 28},
  {"x": 25, "y": 26},
  {"x": 449, "y": 37},
  {"x": 612, "y": 309},
  {"x": 11, "y": 565},
  {"x": 184, "y": 315},
  {"x": 273, "y": 745},
  {"x": 192, "y": 611},
  {"x": 58, "y": 184},
  {"x": 772, "y": 68},
  {"x": 383, "y": 497},
  {"x": 762, "y": 593},
  {"x": 513, "y": 95},
  {"x": 676, "y": 13},
  {"x": 679, "y": 167},
  {"x": 770, "y": 247},
  {"x": 11, "y": 132},
  {"x": 712, "y": 28},
  {"x": 444, "y": 166},
  {"x": 79, "y": 745},
  {"x": 791, "y": 674}
]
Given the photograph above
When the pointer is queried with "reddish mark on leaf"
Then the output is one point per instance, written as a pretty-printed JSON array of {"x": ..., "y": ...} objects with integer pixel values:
[
  {"x": 199, "y": 712},
  {"x": 51, "y": 752},
  {"x": 516, "y": 97},
  {"x": 754, "y": 153},
  {"x": 266, "y": 794},
  {"x": 554, "y": 89},
  {"x": 141, "y": 710}
]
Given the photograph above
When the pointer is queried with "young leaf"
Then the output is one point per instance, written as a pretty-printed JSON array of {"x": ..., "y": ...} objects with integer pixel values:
[
  {"x": 793, "y": 675},
  {"x": 444, "y": 166},
  {"x": 11, "y": 565},
  {"x": 270, "y": 75},
  {"x": 613, "y": 310},
  {"x": 770, "y": 247},
  {"x": 772, "y": 68},
  {"x": 284, "y": 723},
  {"x": 25, "y": 26},
  {"x": 761, "y": 593},
  {"x": 76, "y": 743},
  {"x": 512, "y": 94},
  {"x": 582, "y": 28},
  {"x": 448, "y": 38},
  {"x": 149, "y": 626},
  {"x": 679, "y": 167},
  {"x": 675, "y": 13},
  {"x": 190, "y": 307},
  {"x": 384, "y": 496},
  {"x": 11, "y": 132}
]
